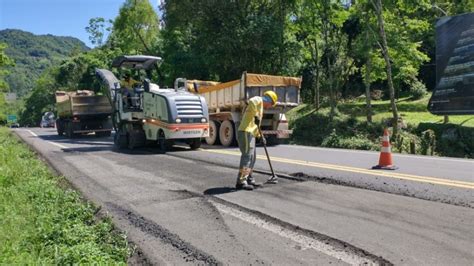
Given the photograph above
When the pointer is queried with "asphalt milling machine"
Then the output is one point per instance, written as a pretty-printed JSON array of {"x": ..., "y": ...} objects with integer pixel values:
[{"x": 147, "y": 114}]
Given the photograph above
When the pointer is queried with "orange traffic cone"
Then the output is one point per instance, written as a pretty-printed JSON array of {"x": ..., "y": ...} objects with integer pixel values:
[{"x": 385, "y": 160}]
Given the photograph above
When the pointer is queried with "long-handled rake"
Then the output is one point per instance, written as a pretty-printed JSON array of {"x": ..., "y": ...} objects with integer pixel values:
[{"x": 274, "y": 178}]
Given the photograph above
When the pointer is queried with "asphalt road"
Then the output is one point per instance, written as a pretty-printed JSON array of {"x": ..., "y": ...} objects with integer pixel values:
[{"x": 181, "y": 208}]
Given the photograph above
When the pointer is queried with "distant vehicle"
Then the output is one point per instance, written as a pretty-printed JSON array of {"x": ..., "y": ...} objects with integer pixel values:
[
  {"x": 148, "y": 114},
  {"x": 15, "y": 125},
  {"x": 81, "y": 112},
  {"x": 48, "y": 120}
]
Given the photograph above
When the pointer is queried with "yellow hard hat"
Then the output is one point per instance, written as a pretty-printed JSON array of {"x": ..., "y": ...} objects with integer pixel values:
[{"x": 272, "y": 95}]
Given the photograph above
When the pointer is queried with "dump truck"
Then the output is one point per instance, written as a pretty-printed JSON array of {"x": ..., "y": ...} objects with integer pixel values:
[
  {"x": 81, "y": 112},
  {"x": 148, "y": 114},
  {"x": 226, "y": 102}
]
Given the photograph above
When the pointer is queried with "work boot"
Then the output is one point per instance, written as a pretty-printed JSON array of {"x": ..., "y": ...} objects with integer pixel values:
[
  {"x": 251, "y": 181},
  {"x": 243, "y": 185}
]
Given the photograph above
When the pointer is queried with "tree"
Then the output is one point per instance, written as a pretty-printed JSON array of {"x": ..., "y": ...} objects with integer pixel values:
[
  {"x": 384, "y": 47},
  {"x": 392, "y": 33},
  {"x": 308, "y": 31},
  {"x": 325, "y": 46},
  {"x": 221, "y": 39},
  {"x": 97, "y": 28},
  {"x": 135, "y": 30},
  {"x": 5, "y": 61}
]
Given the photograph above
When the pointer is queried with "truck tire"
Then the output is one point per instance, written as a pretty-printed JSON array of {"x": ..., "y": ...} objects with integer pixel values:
[
  {"x": 59, "y": 127},
  {"x": 131, "y": 141},
  {"x": 69, "y": 130},
  {"x": 120, "y": 140},
  {"x": 213, "y": 138},
  {"x": 227, "y": 133},
  {"x": 195, "y": 144},
  {"x": 162, "y": 142}
]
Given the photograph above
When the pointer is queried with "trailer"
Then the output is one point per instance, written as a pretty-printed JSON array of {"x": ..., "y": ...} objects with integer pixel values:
[
  {"x": 148, "y": 114},
  {"x": 226, "y": 102},
  {"x": 82, "y": 112}
]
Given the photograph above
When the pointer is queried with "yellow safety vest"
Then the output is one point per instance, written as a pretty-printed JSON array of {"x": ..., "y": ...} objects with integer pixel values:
[
  {"x": 253, "y": 109},
  {"x": 128, "y": 84}
]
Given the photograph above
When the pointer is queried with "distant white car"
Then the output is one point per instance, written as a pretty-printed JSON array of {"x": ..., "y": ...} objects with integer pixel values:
[{"x": 48, "y": 120}]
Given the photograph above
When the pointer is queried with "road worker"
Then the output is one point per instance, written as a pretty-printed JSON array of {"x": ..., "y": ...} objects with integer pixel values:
[
  {"x": 246, "y": 135},
  {"x": 127, "y": 85}
]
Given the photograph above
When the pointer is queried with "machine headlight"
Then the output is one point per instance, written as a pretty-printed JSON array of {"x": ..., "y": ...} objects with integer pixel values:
[
  {"x": 178, "y": 120},
  {"x": 203, "y": 120}
]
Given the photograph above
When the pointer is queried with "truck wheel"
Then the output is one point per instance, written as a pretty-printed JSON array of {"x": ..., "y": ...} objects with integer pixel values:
[
  {"x": 69, "y": 130},
  {"x": 131, "y": 141},
  {"x": 227, "y": 133},
  {"x": 162, "y": 142},
  {"x": 120, "y": 140},
  {"x": 213, "y": 133},
  {"x": 195, "y": 144},
  {"x": 59, "y": 127}
]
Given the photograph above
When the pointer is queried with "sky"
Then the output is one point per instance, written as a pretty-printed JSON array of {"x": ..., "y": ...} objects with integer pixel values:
[{"x": 57, "y": 17}]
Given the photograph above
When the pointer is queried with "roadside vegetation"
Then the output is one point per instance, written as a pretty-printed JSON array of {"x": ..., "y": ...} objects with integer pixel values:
[
  {"x": 44, "y": 223},
  {"x": 420, "y": 133}
]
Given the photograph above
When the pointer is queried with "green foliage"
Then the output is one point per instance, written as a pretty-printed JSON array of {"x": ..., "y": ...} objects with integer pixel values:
[
  {"x": 5, "y": 108},
  {"x": 359, "y": 142},
  {"x": 33, "y": 54},
  {"x": 418, "y": 90},
  {"x": 428, "y": 142},
  {"x": 39, "y": 100},
  {"x": 316, "y": 128},
  {"x": 75, "y": 73},
  {"x": 135, "y": 30},
  {"x": 44, "y": 224},
  {"x": 449, "y": 139},
  {"x": 96, "y": 29},
  {"x": 348, "y": 129},
  {"x": 221, "y": 39}
]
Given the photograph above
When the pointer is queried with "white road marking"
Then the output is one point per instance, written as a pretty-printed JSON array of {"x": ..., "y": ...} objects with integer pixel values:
[
  {"x": 32, "y": 133},
  {"x": 50, "y": 142},
  {"x": 58, "y": 145},
  {"x": 305, "y": 241}
]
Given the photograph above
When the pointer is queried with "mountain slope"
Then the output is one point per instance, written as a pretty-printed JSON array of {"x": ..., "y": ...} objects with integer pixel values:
[{"x": 33, "y": 54}]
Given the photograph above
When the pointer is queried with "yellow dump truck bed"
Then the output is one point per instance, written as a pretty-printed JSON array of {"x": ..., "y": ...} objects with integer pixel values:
[
  {"x": 81, "y": 103},
  {"x": 233, "y": 94}
]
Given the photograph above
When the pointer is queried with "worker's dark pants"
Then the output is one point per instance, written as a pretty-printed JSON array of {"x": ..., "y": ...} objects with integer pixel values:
[{"x": 247, "y": 160}]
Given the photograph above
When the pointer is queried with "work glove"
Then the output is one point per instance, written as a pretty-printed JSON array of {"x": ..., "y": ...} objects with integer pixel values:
[{"x": 257, "y": 120}]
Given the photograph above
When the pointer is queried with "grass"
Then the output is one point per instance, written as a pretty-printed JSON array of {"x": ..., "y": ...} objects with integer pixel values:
[
  {"x": 42, "y": 223},
  {"x": 412, "y": 112}
]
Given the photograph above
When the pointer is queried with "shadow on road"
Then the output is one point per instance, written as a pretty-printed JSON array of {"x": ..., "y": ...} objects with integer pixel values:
[{"x": 219, "y": 190}]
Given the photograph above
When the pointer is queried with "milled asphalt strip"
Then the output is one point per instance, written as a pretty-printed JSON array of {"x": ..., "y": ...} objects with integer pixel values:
[
  {"x": 423, "y": 179},
  {"x": 304, "y": 241},
  {"x": 307, "y": 239}
]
